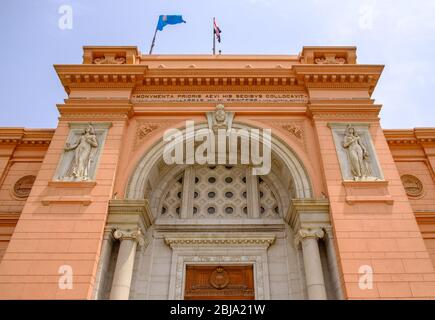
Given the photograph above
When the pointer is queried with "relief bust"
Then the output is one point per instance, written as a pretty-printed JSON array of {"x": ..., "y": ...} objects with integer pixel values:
[
  {"x": 220, "y": 119},
  {"x": 357, "y": 155},
  {"x": 84, "y": 149}
]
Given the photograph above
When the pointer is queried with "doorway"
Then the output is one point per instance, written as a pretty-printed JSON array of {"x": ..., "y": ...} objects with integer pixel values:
[{"x": 219, "y": 282}]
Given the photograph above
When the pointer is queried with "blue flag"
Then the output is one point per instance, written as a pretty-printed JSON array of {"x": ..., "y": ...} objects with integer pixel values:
[{"x": 164, "y": 20}]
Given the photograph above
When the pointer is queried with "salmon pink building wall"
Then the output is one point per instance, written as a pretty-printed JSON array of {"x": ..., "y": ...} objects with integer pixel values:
[{"x": 62, "y": 223}]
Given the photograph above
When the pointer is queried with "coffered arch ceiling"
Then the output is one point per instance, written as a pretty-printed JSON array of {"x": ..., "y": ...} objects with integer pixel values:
[{"x": 161, "y": 184}]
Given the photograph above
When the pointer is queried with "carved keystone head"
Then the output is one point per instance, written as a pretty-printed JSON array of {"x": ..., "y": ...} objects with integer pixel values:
[{"x": 220, "y": 114}]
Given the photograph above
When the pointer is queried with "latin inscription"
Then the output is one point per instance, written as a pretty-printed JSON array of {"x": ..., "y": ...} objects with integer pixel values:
[{"x": 221, "y": 97}]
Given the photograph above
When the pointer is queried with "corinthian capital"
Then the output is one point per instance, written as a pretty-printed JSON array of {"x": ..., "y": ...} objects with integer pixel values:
[
  {"x": 135, "y": 235},
  {"x": 306, "y": 233}
]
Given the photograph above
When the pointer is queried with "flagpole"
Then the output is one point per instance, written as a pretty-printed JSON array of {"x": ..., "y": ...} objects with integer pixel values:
[
  {"x": 214, "y": 38},
  {"x": 154, "y": 40}
]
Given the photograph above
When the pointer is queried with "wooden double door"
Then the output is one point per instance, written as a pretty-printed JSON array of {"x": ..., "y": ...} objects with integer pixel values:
[{"x": 219, "y": 282}]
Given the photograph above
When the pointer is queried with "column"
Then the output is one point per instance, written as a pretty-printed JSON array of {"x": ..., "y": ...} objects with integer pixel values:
[
  {"x": 125, "y": 262},
  {"x": 332, "y": 262},
  {"x": 312, "y": 263},
  {"x": 188, "y": 193},
  {"x": 252, "y": 194},
  {"x": 106, "y": 249}
]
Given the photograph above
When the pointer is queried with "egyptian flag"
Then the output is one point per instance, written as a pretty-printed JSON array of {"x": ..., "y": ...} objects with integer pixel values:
[{"x": 217, "y": 31}]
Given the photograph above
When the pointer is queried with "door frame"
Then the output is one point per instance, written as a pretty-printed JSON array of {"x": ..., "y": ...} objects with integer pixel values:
[{"x": 224, "y": 249}]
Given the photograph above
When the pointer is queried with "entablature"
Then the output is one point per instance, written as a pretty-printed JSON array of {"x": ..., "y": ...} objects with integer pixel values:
[
  {"x": 124, "y": 67},
  {"x": 22, "y": 136},
  {"x": 407, "y": 137},
  {"x": 343, "y": 109}
]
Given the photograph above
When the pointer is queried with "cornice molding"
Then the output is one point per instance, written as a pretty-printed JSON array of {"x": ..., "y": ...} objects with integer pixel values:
[
  {"x": 344, "y": 110},
  {"x": 26, "y": 137},
  {"x": 308, "y": 213},
  {"x": 9, "y": 219},
  {"x": 100, "y": 76},
  {"x": 97, "y": 109},
  {"x": 225, "y": 79},
  {"x": 427, "y": 217},
  {"x": 407, "y": 137},
  {"x": 125, "y": 212}
]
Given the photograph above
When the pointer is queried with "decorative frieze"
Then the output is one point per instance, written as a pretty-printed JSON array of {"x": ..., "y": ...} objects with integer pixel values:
[
  {"x": 221, "y": 239},
  {"x": 328, "y": 55},
  {"x": 109, "y": 59},
  {"x": 330, "y": 59}
]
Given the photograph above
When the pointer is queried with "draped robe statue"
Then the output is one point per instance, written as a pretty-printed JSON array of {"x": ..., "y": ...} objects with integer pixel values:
[
  {"x": 84, "y": 149},
  {"x": 357, "y": 155}
]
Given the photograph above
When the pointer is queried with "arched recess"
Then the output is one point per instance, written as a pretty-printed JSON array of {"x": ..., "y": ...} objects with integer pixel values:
[{"x": 302, "y": 186}]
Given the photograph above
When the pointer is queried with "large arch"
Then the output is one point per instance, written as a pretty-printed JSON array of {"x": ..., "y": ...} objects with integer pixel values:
[
  {"x": 302, "y": 183},
  {"x": 179, "y": 201}
]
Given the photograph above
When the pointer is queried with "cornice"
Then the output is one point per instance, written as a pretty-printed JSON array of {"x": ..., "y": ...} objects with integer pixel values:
[
  {"x": 407, "y": 137},
  {"x": 425, "y": 217},
  {"x": 22, "y": 136},
  {"x": 100, "y": 76},
  {"x": 308, "y": 212},
  {"x": 129, "y": 212},
  {"x": 9, "y": 219},
  {"x": 94, "y": 108},
  {"x": 221, "y": 79},
  {"x": 339, "y": 76},
  {"x": 346, "y": 109}
]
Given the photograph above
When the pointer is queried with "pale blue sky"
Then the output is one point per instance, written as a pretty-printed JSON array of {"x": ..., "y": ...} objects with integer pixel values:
[{"x": 397, "y": 33}]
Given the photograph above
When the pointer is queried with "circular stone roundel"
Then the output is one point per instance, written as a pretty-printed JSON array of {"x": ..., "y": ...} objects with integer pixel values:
[
  {"x": 23, "y": 186},
  {"x": 219, "y": 278},
  {"x": 412, "y": 185}
]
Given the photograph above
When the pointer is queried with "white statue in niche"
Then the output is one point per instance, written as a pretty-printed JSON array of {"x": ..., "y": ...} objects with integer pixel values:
[
  {"x": 357, "y": 155},
  {"x": 84, "y": 150}
]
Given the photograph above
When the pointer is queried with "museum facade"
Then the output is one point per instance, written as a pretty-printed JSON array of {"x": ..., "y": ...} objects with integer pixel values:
[{"x": 217, "y": 177}]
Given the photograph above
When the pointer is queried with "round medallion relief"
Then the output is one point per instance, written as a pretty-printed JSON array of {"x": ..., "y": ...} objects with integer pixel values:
[
  {"x": 219, "y": 278},
  {"x": 412, "y": 185},
  {"x": 23, "y": 186}
]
